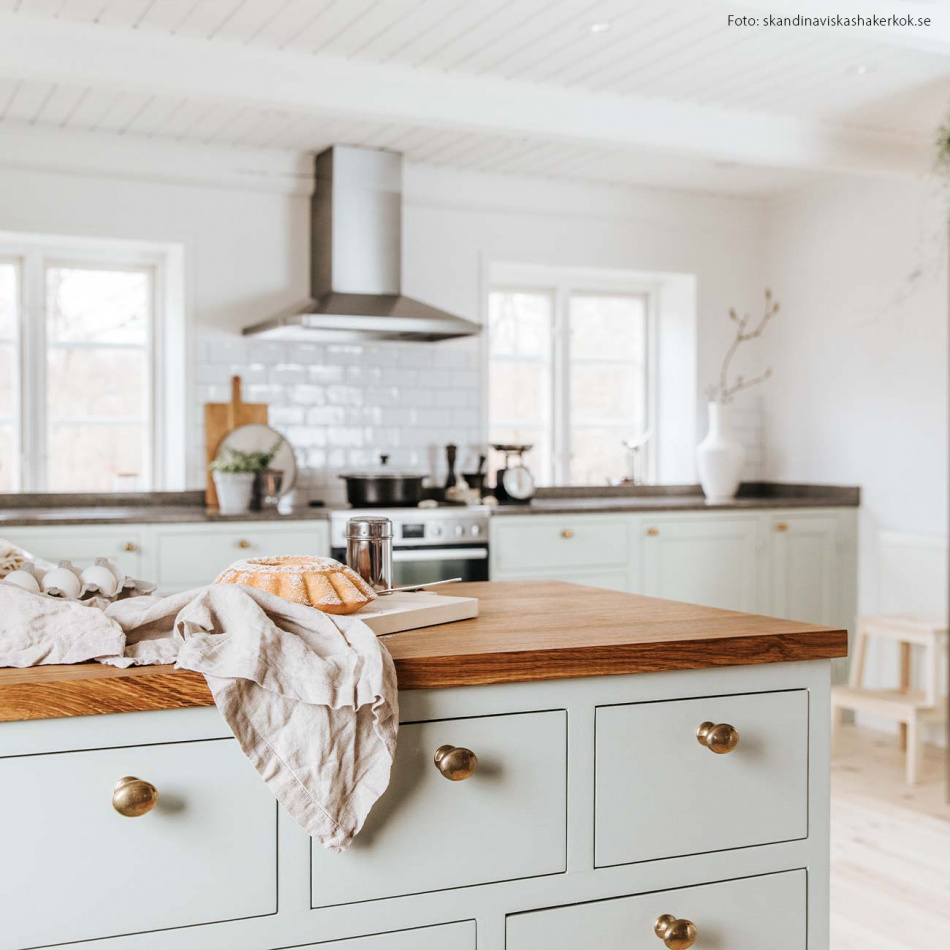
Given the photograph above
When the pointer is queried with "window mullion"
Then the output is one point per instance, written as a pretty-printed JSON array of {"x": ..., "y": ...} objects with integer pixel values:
[
  {"x": 560, "y": 423},
  {"x": 33, "y": 374}
]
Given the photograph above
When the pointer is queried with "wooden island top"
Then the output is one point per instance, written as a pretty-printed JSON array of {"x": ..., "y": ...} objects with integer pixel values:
[{"x": 526, "y": 630}]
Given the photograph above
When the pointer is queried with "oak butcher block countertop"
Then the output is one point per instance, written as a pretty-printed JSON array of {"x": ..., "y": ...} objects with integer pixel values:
[{"x": 526, "y": 630}]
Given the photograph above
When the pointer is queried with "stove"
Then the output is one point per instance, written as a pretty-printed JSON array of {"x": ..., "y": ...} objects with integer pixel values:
[{"x": 429, "y": 544}]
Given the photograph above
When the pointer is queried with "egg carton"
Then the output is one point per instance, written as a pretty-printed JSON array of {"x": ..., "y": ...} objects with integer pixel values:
[{"x": 104, "y": 581}]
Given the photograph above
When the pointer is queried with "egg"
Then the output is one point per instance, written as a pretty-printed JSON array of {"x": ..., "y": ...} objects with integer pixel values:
[
  {"x": 24, "y": 579},
  {"x": 62, "y": 580},
  {"x": 100, "y": 577}
]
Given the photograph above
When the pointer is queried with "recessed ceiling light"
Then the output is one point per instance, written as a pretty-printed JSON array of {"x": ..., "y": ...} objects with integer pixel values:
[
  {"x": 860, "y": 69},
  {"x": 600, "y": 27}
]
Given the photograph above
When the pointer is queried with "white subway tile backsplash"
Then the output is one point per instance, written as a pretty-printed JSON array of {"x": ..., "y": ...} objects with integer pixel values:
[
  {"x": 287, "y": 373},
  {"x": 341, "y": 405},
  {"x": 326, "y": 374}
]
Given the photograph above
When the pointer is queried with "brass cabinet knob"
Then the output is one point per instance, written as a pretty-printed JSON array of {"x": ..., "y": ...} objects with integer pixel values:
[
  {"x": 676, "y": 934},
  {"x": 244, "y": 544},
  {"x": 133, "y": 797},
  {"x": 781, "y": 526},
  {"x": 130, "y": 546},
  {"x": 718, "y": 737},
  {"x": 653, "y": 532},
  {"x": 567, "y": 533},
  {"x": 454, "y": 763}
]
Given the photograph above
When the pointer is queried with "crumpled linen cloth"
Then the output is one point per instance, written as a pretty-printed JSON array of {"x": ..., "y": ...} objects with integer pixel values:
[{"x": 311, "y": 698}]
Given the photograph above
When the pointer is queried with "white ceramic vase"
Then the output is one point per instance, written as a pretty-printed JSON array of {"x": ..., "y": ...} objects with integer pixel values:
[
  {"x": 235, "y": 490},
  {"x": 719, "y": 457}
]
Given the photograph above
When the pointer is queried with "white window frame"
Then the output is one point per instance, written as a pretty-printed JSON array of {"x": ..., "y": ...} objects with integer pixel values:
[
  {"x": 167, "y": 345},
  {"x": 561, "y": 284}
]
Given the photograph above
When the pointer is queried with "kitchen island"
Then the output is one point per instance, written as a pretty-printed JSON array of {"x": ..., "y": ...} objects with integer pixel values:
[{"x": 616, "y": 759}]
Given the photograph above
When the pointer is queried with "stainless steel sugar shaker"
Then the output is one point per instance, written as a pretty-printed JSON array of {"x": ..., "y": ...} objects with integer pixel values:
[{"x": 369, "y": 550}]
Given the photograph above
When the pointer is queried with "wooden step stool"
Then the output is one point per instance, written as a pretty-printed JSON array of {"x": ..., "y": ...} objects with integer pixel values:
[{"x": 911, "y": 708}]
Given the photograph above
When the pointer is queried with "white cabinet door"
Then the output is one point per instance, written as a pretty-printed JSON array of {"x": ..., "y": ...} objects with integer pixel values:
[
  {"x": 804, "y": 567},
  {"x": 660, "y": 793},
  {"x": 546, "y": 542},
  {"x": 193, "y": 555},
  {"x": 506, "y": 821},
  {"x": 754, "y": 913},
  {"x": 82, "y": 544},
  {"x": 459, "y": 936},
  {"x": 702, "y": 559},
  {"x": 74, "y": 869}
]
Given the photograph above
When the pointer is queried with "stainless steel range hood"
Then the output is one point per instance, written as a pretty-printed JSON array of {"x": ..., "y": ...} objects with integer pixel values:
[{"x": 356, "y": 259}]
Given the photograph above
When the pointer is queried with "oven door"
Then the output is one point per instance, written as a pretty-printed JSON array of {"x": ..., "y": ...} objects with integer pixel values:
[{"x": 424, "y": 565}]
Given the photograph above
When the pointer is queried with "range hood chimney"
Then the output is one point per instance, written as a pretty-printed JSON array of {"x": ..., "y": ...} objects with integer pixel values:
[{"x": 356, "y": 260}]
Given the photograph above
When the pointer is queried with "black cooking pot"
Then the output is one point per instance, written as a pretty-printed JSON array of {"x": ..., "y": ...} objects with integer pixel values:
[{"x": 383, "y": 489}]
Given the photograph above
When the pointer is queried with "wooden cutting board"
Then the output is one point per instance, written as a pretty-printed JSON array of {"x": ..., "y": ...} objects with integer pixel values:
[
  {"x": 220, "y": 419},
  {"x": 411, "y": 610}
]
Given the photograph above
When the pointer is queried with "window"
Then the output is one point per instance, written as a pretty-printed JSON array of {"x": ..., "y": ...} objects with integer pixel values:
[
  {"x": 569, "y": 374},
  {"x": 79, "y": 389}
]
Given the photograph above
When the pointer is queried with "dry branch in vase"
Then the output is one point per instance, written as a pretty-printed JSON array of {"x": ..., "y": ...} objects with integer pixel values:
[{"x": 723, "y": 392}]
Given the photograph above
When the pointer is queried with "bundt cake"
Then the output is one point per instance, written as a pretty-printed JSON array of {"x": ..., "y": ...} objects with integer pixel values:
[{"x": 319, "y": 582}]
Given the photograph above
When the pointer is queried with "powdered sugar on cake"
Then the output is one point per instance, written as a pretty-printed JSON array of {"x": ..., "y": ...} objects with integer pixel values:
[{"x": 320, "y": 582}]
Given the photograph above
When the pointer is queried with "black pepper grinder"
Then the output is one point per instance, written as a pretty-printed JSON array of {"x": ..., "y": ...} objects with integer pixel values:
[{"x": 451, "y": 454}]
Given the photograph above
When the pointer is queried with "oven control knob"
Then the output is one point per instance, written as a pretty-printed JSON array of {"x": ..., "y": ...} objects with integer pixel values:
[
  {"x": 436, "y": 530},
  {"x": 460, "y": 531},
  {"x": 476, "y": 530}
]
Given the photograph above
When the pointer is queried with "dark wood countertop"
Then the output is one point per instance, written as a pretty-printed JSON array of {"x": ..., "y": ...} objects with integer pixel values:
[{"x": 536, "y": 630}]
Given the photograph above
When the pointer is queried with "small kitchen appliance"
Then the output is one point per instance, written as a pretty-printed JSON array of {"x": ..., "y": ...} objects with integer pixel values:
[
  {"x": 428, "y": 544},
  {"x": 369, "y": 550},
  {"x": 514, "y": 484}
]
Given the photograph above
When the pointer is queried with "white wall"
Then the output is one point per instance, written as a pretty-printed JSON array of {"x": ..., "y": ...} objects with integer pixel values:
[
  {"x": 246, "y": 256},
  {"x": 859, "y": 394}
]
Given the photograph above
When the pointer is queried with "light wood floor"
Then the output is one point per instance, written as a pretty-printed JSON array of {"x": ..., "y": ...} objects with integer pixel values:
[{"x": 890, "y": 847}]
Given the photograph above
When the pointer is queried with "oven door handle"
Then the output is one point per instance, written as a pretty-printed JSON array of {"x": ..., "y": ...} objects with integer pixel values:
[{"x": 440, "y": 554}]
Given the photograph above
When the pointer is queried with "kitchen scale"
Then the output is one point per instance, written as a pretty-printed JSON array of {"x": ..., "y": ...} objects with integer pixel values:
[{"x": 514, "y": 484}]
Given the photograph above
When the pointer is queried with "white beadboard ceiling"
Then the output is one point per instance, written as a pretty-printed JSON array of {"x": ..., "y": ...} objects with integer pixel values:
[{"x": 839, "y": 98}]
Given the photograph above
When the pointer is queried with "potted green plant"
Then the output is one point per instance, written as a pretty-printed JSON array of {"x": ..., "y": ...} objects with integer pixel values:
[{"x": 236, "y": 474}]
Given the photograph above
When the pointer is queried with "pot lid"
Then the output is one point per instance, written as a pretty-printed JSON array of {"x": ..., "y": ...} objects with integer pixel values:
[{"x": 382, "y": 471}]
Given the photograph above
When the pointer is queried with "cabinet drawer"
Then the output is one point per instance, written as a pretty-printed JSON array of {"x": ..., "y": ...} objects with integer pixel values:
[
  {"x": 660, "y": 793},
  {"x": 195, "y": 557},
  {"x": 459, "y": 936},
  {"x": 428, "y": 833},
  {"x": 540, "y": 542},
  {"x": 747, "y": 914},
  {"x": 83, "y": 545},
  {"x": 75, "y": 869}
]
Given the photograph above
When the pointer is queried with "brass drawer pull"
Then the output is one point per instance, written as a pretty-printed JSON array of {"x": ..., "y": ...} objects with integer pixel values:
[
  {"x": 454, "y": 763},
  {"x": 567, "y": 533},
  {"x": 244, "y": 544},
  {"x": 133, "y": 797},
  {"x": 130, "y": 546},
  {"x": 676, "y": 934},
  {"x": 718, "y": 737},
  {"x": 653, "y": 532},
  {"x": 782, "y": 526}
]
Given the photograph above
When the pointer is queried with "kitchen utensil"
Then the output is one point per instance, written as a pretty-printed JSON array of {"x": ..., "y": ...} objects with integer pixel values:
[
  {"x": 383, "y": 488},
  {"x": 475, "y": 481},
  {"x": 396, "y": 590},
  {"x": 267, "y": 489},
  {"x": 451, "y": 454},
  {"x": 369, "y": 550},
  {"x": 518, "y": 484},
  {"x": 514, "y": 484},
  {"x": 262, "y": 438},
  {"x": 409, "y": 611},
  {"x": 220, "y": 419}
]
